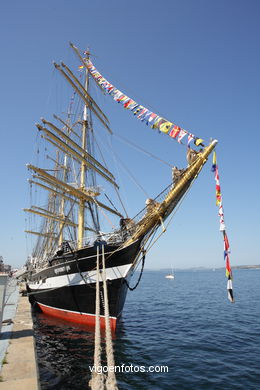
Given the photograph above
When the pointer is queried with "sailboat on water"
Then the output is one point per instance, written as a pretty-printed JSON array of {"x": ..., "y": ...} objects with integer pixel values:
[
  {"x": 61, "y": 272},
  {"x": 170, "y": 275}
]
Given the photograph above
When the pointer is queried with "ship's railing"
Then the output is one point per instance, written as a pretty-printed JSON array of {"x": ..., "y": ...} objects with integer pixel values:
[
  {"x": 36, "y": 263},
  {"x": 112, "y": 238}
]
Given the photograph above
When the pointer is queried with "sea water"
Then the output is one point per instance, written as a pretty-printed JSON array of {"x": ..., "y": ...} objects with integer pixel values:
[{"x": 184, "y": 330}]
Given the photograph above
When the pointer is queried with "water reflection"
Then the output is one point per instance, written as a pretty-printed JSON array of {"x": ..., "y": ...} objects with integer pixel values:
[{"x": 65, "y": 351}]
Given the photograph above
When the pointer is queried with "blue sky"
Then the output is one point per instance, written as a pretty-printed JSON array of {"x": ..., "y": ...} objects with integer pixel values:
[{"x": 194, "y": 62}]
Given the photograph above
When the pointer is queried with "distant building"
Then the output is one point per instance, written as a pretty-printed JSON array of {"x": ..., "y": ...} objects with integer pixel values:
[
  {"x": 1, "y": 264},
  {"x": 4, "y": 267},
  {"x": 7, "y": 268}
]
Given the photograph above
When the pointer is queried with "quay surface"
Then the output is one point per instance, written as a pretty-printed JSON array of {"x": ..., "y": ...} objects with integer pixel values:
[{"x": 19, "y": 369}]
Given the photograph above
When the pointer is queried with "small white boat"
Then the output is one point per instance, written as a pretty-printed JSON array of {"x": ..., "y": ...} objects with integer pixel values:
[{"x": 170, "y": 275}]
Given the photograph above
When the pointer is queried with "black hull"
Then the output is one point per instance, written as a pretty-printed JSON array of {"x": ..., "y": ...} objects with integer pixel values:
[{"x": 67, "y": 289}]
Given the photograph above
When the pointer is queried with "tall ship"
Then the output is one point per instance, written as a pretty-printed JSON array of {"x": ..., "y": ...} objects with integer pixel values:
[{"x": 78, "y": 196}]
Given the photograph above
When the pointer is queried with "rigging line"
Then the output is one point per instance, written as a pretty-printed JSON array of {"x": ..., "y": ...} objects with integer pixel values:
[
  {"x": 127, "y": 170},
  {"x": 140, "y": 276},
  {"x": 141, "y": 149},
  {"x": 173, "y": 214},
  {"x": 131, "y": 176},
  {"x": 110, "y": 201},
  {"x": 104, "y": 214},
  {"x": 121, "y": 202},
  {"x": 101, "y": 154},
  {"x": 129, "y": 173},
  {"x": 95, "y": 222},
  {"x": 62, "y": 228},
  {"x": 104, "y": 162},
  {"x": 91, "y": 173},
  {"x": 154, "y": 230},
  {"x": 116, "y": 167}
]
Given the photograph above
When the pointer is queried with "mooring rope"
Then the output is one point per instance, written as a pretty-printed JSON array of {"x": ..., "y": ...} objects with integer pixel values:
[
  {"x": 97, "y": 378},
  {"x": 111, "y": 383}
]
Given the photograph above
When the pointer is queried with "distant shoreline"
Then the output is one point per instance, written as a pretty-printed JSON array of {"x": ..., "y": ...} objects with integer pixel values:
[
  {"x": 246, "y": 267},
  {"x": 206, "y": 268}
]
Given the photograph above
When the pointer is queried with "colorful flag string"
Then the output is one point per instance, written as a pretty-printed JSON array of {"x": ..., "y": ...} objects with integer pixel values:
[
  {"x": 142, "y": 113},
  {"x": 223, "y": 229}
]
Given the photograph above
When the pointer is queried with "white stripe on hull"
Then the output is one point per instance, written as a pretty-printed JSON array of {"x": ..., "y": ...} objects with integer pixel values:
[{"x": 76, "y": 279}]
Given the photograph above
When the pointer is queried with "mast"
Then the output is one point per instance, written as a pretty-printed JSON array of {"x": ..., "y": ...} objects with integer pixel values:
[
  {"x": 83, "y": 170},
  {"x": 52, "y": 208},
  {"x": 62, "y": 201},
  {"x": 64, "y": 178},
  {"x": 72, "y": 187}
]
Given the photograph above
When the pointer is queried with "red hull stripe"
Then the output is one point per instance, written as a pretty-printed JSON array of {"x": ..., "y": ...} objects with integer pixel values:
[{"x": 79, "y": 318}]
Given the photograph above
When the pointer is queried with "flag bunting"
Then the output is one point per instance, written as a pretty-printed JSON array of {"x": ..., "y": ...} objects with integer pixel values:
[
  {"x": 142, "y": 113},
  {"x": 223, "y": 229}
]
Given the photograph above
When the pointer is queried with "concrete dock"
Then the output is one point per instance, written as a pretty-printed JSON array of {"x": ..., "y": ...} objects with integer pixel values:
[{"x": 19, "y": 369}]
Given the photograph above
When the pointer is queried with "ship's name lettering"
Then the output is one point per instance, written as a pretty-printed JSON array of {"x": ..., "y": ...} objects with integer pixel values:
[{"x": 62, "y": 269}]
